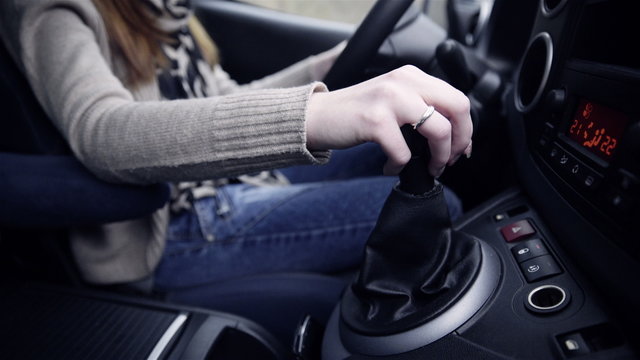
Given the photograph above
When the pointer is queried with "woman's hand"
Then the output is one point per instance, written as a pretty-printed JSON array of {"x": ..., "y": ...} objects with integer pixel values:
[{"x": 376, "y": 109}]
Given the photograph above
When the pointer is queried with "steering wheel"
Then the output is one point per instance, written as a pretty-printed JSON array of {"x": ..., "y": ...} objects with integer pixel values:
[{"x": 365, "y": 42}]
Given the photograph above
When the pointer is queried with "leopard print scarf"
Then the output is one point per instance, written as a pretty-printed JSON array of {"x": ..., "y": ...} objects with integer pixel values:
[{"x": 182, "y": 79}]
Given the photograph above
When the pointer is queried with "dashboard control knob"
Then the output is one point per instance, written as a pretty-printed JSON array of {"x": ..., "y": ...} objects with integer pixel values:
[{"x": 556, "y": 100}]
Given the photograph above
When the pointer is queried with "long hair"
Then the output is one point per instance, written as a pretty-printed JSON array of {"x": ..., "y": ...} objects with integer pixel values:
[{"x": 136, "y": 39}]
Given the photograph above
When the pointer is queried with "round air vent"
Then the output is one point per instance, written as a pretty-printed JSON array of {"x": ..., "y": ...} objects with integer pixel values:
[{"x": 534, "y": 72}]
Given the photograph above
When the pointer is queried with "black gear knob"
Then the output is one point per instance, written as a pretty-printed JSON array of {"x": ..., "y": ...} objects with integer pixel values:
[{"x": 415, "y": 178}]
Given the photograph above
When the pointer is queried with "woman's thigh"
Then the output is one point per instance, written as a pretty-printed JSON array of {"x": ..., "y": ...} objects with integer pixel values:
[{"x": 243, "y": 230}]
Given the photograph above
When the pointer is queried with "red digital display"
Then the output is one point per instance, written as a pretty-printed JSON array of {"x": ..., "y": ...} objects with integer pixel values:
[{"x": 597, "y": 128}]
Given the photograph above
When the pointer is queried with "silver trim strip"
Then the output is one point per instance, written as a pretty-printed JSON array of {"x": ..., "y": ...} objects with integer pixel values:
[
  {"x": 564, "y": 297},
  {"x": 168, "y": 335}
]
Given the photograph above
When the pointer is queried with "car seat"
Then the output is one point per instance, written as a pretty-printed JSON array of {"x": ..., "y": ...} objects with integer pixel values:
[{"x": 44, "y": 189}]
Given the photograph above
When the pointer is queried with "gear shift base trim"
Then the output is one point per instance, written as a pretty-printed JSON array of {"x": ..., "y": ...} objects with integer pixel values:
[{"x": 347, "y": 341}]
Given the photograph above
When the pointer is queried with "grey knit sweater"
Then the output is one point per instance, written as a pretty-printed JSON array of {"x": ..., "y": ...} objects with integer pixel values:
[{"x": 130, "y": 135}]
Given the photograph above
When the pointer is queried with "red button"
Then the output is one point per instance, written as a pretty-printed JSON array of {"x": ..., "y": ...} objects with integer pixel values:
[{"x": 517, "y": 231}]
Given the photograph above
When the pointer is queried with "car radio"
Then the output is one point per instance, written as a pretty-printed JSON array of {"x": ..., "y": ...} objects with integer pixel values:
[{"x": 597, "y": 128}]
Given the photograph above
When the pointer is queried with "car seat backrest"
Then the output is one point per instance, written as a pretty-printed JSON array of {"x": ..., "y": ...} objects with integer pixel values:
[
  {"x": 24, "y": 126},
  {"x": 36, "y": 163}
]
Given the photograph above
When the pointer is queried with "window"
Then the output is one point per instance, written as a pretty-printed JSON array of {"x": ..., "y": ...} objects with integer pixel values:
[{"x": 349, "y": 11}]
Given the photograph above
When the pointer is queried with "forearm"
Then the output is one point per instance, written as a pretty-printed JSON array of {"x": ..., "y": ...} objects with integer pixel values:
[
  {"x": 197, "y": 139},
  {"x": 121, "y": 139}
]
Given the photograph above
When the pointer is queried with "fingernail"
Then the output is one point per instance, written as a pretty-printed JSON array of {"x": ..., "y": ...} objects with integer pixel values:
[
  {"x": 467, "y": 151},
  {"x": 439, "y": 172}
]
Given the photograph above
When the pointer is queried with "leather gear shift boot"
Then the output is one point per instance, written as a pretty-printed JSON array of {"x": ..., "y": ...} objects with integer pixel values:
[{"x": 415, "y": 266}]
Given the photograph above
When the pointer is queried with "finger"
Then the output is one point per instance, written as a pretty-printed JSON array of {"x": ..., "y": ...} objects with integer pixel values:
[
  {"x": 452, "y": 104},
  {"x": 461, "y": 131},
  {"x": 456, "y": 110},
  {"x": 438, "y": 130},
  {"x": 393, "y": 145}
]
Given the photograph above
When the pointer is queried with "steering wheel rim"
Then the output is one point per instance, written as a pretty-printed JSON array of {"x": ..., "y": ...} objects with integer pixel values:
[{"x": 365, "y": 42}]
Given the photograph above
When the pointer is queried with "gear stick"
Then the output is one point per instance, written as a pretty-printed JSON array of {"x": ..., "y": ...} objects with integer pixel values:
[
  {"x": 414, "y": 266},
  {"x": 416, "y": 269}
]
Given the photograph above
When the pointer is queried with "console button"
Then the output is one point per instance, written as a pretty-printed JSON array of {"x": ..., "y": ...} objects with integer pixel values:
[
  {"x": 517, "y": 231},
  {"x": 568, "y": 166},
  {"x": 620, "y": 195},
  {"x": 560, "y": 160},
  {"x": 539, "y": 268},
  {"x": 574, "y": 344},
  {"x": 618, "y": 201},
  {"x": 586, "y": 178},
  {"x": 573, "y": 170},
  {"x": 529, "y": 250},
  {"x": 553, "y": 153},
  {"x": 565, "y": 161},
  {"x": 543, "y": 143},
  {"x": 627, "y": 182}
]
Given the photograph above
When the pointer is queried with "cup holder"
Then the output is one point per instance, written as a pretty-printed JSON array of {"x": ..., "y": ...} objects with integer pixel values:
[
  {"x": 552, "y": 7},
  {"x": 534, "y": 72},
  {"x": 547, "y": 299}
]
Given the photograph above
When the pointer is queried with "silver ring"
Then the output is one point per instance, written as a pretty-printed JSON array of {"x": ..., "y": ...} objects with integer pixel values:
[{"x": 427, "y": 114}]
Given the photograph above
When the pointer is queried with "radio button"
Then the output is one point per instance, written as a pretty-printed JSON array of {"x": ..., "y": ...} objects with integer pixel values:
[
  {"x": 553, "y": 153},
  {"x": 565, "y": 161},
  {"x": 584, "y": 177},
  {"x": 567, "y": 165},
  {"x": 560, "y": 160},
  {"x": 543, "y": 144},
  {"x": 590, "y": 181}
]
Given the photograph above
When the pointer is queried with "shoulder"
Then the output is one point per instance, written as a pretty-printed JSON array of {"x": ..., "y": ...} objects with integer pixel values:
[
  {"x": 15, "y": 11},
  {"x": 22, "y": 20}
]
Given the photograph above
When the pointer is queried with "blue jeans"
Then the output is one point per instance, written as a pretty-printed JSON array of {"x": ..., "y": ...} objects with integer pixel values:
[{"x": 319, "y": 223}]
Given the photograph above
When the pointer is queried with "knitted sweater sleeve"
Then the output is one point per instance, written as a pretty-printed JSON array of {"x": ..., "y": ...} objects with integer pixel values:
[{"x": 62, "y": 49}]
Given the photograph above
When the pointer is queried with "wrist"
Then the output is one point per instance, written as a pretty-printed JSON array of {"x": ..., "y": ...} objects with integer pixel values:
[{"x": 313, "y": 121}]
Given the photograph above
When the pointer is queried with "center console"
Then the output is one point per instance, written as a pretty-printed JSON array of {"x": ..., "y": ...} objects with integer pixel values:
[{"x": 542, "y": 307}]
